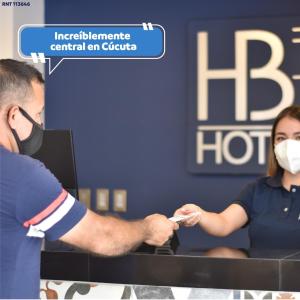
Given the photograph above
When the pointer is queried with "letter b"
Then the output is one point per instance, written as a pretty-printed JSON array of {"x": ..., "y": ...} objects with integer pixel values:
[{"x": 269, "y": 71}]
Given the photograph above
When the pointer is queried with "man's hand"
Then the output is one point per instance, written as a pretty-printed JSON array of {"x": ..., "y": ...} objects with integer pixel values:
[
  {"x": 189, "y": 209},
  {"x": 158, "y": 229}
]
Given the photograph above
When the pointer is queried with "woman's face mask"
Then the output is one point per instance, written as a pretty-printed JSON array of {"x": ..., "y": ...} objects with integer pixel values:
[{"x": 287, "y": 154}]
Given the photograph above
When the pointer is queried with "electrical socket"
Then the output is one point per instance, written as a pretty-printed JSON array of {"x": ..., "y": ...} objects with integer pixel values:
[
  {"x": 120, "y": 200},
  {"x": 85, "y": 196},
  {"x": 102, "y": 199}
]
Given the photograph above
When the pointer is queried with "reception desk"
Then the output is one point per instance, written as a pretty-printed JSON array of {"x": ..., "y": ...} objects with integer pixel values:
[{"x": 219, "y": 268}]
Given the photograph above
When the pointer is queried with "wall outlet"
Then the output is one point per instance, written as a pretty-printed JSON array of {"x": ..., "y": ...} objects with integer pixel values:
[
  {"x": 102, "y": 199},
  {"x": 85, "y": 196},
  {"x": 120, "y": 200}
]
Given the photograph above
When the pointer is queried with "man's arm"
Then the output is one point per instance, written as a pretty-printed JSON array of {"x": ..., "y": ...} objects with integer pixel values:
[
  {"x": 111, "y": 236},
  {"x": 51, "y": 212}
]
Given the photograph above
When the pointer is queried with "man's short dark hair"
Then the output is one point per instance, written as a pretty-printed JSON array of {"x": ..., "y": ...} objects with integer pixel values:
[{"x": 15, "y": 81}]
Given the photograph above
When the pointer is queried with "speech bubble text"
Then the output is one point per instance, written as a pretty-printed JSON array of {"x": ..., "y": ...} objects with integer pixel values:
[{"x": 59, "y": 42}]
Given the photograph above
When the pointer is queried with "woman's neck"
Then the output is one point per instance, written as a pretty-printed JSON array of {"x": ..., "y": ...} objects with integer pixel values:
[{"x": 289, "y": 179}]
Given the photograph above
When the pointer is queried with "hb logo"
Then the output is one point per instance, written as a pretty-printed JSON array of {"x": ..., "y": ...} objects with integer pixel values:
[
  {"x": 239, "y": 74},
  {"x": 239, "y": 144}
]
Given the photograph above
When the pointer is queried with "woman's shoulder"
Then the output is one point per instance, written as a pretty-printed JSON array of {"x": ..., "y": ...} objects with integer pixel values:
[
  {"x": 261, "y": 182},
  {"x": 266, "y": 182},
  {"x": 258, "y": 181},
  {"x": 270, "y": 181}
]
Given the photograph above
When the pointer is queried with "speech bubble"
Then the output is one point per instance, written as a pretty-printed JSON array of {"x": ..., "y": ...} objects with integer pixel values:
[{"x": 58, "y": 42}]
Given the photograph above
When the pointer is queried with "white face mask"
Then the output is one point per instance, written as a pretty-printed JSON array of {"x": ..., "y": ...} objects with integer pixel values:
[{"x": 288, "y": 155}]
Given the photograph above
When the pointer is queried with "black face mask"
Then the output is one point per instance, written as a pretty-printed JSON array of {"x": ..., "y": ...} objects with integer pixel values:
[{"x": 33, "y": 143}]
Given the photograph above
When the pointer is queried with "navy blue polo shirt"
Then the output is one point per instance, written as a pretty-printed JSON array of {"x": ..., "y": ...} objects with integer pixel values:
[
  {"x": 273, "y": 213},
  {"x": 33, "y": 206}
]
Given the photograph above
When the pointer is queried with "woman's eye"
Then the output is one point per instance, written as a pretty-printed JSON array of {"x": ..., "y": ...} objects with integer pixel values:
[
  {"x": 279, "y": 139},
  {"x": 297, "y": 138}
]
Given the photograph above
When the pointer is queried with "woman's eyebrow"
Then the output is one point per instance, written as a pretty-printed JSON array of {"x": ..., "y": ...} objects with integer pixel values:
[{"x": 282, "y": 133}]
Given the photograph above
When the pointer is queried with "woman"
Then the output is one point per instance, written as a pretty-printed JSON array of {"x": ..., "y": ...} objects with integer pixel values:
[{"x": 270, "y": 205}]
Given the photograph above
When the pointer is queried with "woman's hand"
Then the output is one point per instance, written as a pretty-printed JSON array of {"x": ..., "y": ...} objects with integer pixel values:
[
  {"x": 188, "y": 209},
  {"x": 217, "y": 224}
]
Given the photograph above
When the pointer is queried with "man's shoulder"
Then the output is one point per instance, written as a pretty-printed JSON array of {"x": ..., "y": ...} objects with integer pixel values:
[{"x": 15, "y": 163}]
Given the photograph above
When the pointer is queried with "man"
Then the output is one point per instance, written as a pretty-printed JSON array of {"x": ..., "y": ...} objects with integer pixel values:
[{"x": 33, "y": 204}]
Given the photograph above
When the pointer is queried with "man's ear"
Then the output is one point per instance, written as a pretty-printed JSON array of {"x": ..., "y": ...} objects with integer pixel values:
[{"x": 13, "y": 116}]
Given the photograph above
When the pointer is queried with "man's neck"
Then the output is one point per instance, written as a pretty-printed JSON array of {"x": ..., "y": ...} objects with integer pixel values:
[
  {"x": 6, "y": 145},
  {"x": 6, "y": 141}
]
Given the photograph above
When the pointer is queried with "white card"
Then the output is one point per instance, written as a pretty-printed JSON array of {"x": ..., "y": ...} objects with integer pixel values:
[{"x": 180, "y": 218}]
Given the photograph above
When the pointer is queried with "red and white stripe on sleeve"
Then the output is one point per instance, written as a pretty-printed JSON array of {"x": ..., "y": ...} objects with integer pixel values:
[{"x": 51, "y": 215}]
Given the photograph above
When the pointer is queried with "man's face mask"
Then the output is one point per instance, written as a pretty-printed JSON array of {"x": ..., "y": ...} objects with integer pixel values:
[
  {"x": 288, "y": 155},
  {"x": 32, "y": 144}
]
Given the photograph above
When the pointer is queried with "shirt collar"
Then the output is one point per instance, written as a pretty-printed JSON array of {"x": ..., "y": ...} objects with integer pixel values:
[{"x": 275, "y": 181}]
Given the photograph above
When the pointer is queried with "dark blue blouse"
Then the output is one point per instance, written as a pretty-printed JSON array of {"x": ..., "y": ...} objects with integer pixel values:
[{"x": 273, "y": 213}]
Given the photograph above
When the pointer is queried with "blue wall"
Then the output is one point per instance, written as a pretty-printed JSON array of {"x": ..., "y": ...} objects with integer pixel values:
[{"x": 129, "y": 118}]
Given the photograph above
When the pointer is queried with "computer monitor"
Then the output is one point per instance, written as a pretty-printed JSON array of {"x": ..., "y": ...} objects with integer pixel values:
[{"x": 57, "y": 153}]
